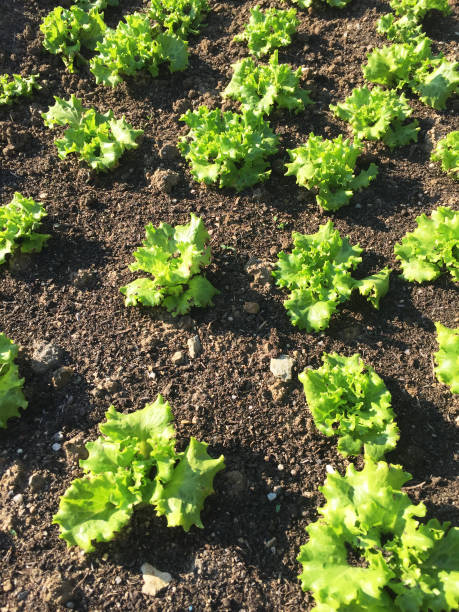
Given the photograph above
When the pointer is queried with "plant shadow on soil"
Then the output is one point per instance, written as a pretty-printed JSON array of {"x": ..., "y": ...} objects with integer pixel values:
[{"x": 147, "y": 537}]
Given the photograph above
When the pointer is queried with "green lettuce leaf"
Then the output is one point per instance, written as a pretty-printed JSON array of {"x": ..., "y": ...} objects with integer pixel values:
[
  {"x": 268, "y": 30},
  {"x": 95, "y": 509},
  {"x": 11, "y": 394},
  {"x": 182, "y": 499},
  {"x": 432, "y": 248},
  {"x": 134, "y": 461},
  {"x": 174, "y": 257},
  {"x": 228, "y": 149},
  {"x": 350, "y": 400},
  {"x": 18, "y": 221},
  {"x": 329, "y": 167},
  {"x": 378, "y": 114},
  {"x": 447, "y": 152},
  {"x": 261, "y": 87},
  {"x": 447, "y": 357}
]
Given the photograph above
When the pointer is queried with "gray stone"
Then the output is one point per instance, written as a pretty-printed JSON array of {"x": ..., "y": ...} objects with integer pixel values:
[
  {"x": 194, "y": 347},
  {"x": 281, "y": 367},
  {"x": 153, "y": 580},
  {"x": 45, "y": 357}
]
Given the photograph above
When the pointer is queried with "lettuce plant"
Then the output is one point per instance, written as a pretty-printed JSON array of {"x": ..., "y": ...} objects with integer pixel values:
[
  {"x": 16, "y": 86},
  {"x": 378, "y": 114},
  {"x": 260, "y": 87},
  {"x": 268, "y": 30},
  {"x": 447, "y": 152},
  {"x": 179, "y": 17},
  {"x": 433, "y": 78},
  {"x": 228, "y": 149},
  {"x": 447, "y": 357},
  {"x": 98, "y": 139},
  {"x": 432, "y": 248},
  {"x": 19, "y": 221},
  {"x": 402, "y": 30},
  {"x": 419, "y": 8},
  {"x": 136, "y": 45},
  {"x": 368, "y": 551},
  {"x": 395, "y": 65},
  {"x": 66, "y": 31},
  {"x": 350, "y": 400},
  {"x": 11, "y": 395},
  {"x": 134, "y": 462},
  {"x": 318, "y": 275},
  {"x": 174, "y": 257},
  {"x": 329, "y": 167}
]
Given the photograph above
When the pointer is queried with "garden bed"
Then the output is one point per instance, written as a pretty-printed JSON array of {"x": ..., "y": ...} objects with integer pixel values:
[{"x": 245, "y": 558}]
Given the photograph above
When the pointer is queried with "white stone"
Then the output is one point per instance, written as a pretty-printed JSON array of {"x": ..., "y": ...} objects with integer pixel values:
[
  {"x": 194, "y": 346},
  {"x": 271, "y": 496},
  {"x": 154, "y": 580},
  {"x": 281, "y": 367}
]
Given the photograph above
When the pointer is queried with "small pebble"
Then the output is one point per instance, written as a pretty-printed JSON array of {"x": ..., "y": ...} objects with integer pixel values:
[
  {"x": 330, "y": 469},
  {"x": 271, "y": 496},
  {"x": 280, "y": 467},
  {"x": 118, "y": 580},
  {"x": 56, "y": 447}
]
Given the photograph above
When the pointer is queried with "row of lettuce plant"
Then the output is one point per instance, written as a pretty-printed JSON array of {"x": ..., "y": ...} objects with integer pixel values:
[{"x": 368, "y": 551}]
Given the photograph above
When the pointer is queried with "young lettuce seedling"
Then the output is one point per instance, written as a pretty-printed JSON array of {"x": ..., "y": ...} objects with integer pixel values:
[
  {"x": 174, "y": 257},
  {"x": 447, "y": 356},
  {"x": 329, "y": 167},
  {"x": 98, "y": 139},
  {"x": 228, "y": 149},
  {"x": 16, "y": 86},
  {"x": 318, "y": 275},
  {"x": 447, "y": 152},
  {"x": 19, "y": 221},
  {"x": 11, "y": 395},
  {"x": 134, "y": 462},
  {"x": 348, "y": 399},
  {"x": 432, "y": 248},
  {"x": 261, "y": 87},
  {"x": 402, "y": 564}
]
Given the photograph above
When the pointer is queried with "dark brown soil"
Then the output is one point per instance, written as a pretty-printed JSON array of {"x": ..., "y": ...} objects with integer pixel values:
[{"x": 245, "y": 557}]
